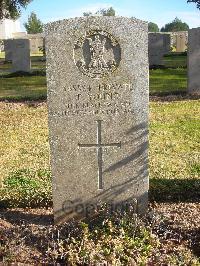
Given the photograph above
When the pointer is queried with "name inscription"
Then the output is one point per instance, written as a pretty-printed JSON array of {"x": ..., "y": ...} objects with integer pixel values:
[{"x": 96, "y": 99}]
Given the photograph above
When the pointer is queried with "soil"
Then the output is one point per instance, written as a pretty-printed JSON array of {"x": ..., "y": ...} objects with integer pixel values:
[{"x": 27, "y": 231}]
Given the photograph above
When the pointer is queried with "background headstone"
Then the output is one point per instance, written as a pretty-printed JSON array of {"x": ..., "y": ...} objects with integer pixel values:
[
  {"x": 194, "y": 62},
  {"x": 21, "y": 55},
  {"x": 181, "y": 43},
  {"x": 36, "y": 42},
  {"x": 156, "y": 49},
  {"x": 174, "y": 38},
  {"x": 8, "y": 49},
  {"x": 97, "y": 75},
  {"x": 166, "y": 43}
]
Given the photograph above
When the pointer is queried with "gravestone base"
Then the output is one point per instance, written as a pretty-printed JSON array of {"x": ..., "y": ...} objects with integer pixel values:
[{"x": 79, "y": 210}]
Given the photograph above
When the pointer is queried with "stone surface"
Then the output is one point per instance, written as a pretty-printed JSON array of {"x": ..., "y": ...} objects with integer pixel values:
[
  {"x": 166, "y": 43},
  {"x": 194, "y": 62},
  {"x": 97, "y": 76},
  {"x": 21, "y": 55},
  {"x": 36, "y": 42},
  {"x": 159, "y": 45},
  {"x": 181, "y": 43},
  {"x": 8, "y": 49}
]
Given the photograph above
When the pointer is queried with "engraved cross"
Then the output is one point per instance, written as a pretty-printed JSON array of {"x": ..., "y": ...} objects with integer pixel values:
[{"x": 99, "y": 146}]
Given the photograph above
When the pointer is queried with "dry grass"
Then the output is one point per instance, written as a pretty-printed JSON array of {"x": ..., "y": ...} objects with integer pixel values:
[
  {"x": 174, "y": 138},
  {"x": 24, "y": 137}
]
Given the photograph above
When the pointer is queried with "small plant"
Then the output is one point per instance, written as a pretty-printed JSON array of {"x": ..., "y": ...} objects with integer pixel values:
[
  {"x": 118, "y": 240},
  {"x": 26, "y": 188}
]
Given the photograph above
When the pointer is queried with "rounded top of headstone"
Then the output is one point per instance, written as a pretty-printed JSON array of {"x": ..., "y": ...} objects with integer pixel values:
[{"x": 90, "y": 21}]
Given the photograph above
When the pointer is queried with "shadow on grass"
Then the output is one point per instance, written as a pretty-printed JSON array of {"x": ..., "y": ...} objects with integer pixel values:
[
  {"x": 24, "y": 74},
  {"x": 174, "y": 190}
]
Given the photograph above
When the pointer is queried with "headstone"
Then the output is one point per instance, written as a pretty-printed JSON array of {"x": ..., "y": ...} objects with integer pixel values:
[
  {"x": 156, "y": 49},
  {"x": 36, "y": 44},
  {"x": 8, "y": 49},
  {"x": 181, "y": 43},
  {"x": 21, "y": 55},
  {"x": 97, "y": 75},
  {"x": 166, "y": 43},
  {"x": 194, "y": 62}
]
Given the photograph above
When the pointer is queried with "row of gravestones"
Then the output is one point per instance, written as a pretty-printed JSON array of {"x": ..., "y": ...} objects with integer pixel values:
[
  {"x": 18, "y": 51},
  {"x": 159, "y": 45},
  {"x": 98, "y": 95}
]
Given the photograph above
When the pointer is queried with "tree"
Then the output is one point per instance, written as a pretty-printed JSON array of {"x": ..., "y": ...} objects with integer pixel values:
[
  {"x": 175, "y": 25},
  {"x": 106, "y": 12},
  {"x": 153, "y": 27},
  {"x": 12, "y": 8},
  {"x": 101, "y": 12},
  {"x": 34, "y": 25},
  {"x": 196, "y": 2},
  {"x": 87, "y": 14}
]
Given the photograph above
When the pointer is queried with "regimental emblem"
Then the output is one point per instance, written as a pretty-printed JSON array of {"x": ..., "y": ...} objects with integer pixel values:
[{"x": 97, "y": 54}]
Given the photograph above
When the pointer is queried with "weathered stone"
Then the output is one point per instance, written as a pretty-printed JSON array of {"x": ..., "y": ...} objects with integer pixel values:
[
  {"x": 8, "y": 49},
  {"x": 181, "y": 42},
  {"x": 97, "y": 75},
  {"x": 21, "y": 55},
  {"x": 36, "y": 44},
  {"x": 159, "y": 45},
  {"x": 174, "y": 37},
  {"x": 194, "y": 62},
  {"x": 166, "y": 43}
]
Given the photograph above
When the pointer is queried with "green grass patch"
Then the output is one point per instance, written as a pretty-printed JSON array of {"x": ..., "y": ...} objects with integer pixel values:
[
  {"x": 175, "y": 60},
  {"x": 27, "y": 188},
  {"x": 23, "y": 88},
  {"x": 168, "y": 81},
  {"x": 162, "y": 81}
]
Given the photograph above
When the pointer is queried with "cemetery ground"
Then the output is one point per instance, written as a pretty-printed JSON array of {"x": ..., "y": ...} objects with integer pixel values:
[{"x": 168, "y": 235}]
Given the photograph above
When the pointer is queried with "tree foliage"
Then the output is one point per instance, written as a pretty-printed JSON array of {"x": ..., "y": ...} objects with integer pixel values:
[
  {"x": 12, "y": 8},
  {"x": 175, "y": 25},
  {"x": 34, "y": 25},
  {"x": 153, "y": 27},
  {"x": 101, "y": 12},
  {"x": 196, "y": 2}
]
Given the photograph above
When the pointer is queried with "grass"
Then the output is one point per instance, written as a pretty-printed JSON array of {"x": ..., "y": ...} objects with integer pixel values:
[
  {"x": 23, "y": 88},
  {"x": 175, "y": 60},
  {"x": 162, "y": 81},
  {"x": 174, "y": 127},
  {"x": 174, "y": 139},
  {"x": 174, "y": 145},
  {"x": 121, "y": 240},
  {"x": 168, "y": 81},
  {"x": 24, "y": 138},
  {"x": 2, "y": 55}
]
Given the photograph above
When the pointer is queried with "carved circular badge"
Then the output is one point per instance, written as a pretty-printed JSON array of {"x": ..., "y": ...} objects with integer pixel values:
[{"x": 97, "y": 54}]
